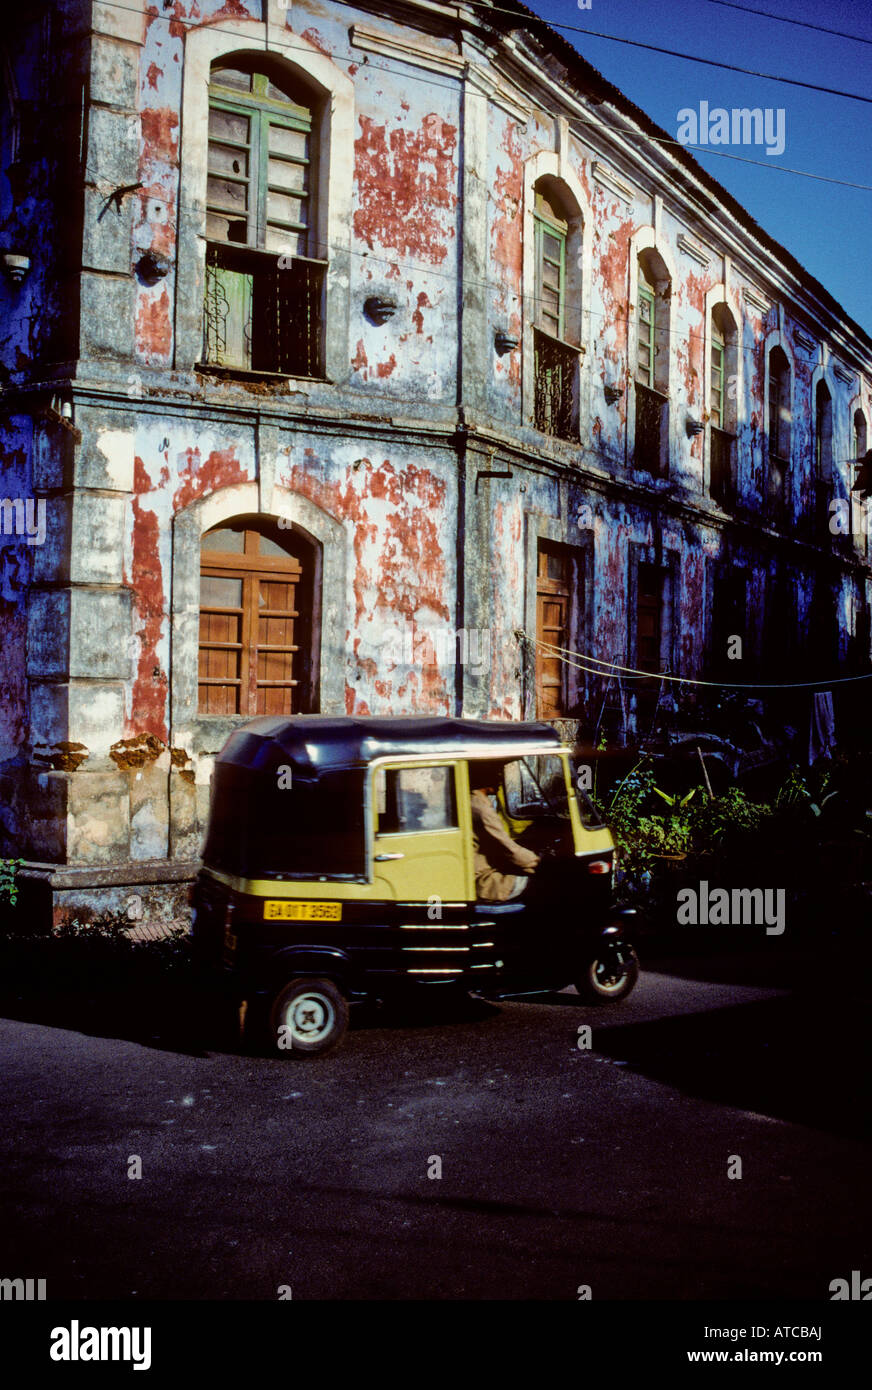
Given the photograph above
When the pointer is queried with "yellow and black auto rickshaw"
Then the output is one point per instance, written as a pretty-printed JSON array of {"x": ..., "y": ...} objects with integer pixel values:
[{"x": 341, "y": 864}]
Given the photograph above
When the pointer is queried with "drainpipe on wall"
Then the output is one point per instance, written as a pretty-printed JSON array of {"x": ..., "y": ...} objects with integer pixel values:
[{"x": 460, "y": 444}]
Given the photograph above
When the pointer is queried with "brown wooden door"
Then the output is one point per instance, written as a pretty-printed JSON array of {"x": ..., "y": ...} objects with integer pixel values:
[
  {"x": 552, "y": 628},
  {"x": 248, "y": 624},
  {"x": 649, "y": 599},
  {"x": 272, "y": 678}
]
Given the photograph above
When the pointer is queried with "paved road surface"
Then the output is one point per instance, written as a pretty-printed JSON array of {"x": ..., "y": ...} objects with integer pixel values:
[{"x": 559, "y": 1166}]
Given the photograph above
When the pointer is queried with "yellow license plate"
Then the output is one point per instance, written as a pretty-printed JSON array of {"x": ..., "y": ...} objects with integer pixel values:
[{"x": 278, "y": 911}]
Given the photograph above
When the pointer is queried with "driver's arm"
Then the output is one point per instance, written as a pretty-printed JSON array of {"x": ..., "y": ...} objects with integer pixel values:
[{"x": 491, "y": 831}]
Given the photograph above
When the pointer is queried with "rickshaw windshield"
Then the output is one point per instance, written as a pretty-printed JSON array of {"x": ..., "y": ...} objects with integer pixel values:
[{"x": 535, "y": 786}]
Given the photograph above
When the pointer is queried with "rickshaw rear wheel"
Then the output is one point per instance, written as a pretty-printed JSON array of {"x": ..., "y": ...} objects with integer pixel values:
[
  {"x": 308, "y": 1018},
  {"x": 611, "y": 975}
]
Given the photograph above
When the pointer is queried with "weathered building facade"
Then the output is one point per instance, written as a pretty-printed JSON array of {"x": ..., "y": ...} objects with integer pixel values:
[{"x": 342, "y": 344}]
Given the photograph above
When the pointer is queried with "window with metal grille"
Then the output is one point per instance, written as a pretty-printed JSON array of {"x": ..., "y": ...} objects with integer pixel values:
[
  {"x": 255, "y": 633},
  {"x": 721, "y": 467},
  {"x": 648, "y": 452},
  {"x": 555, "y": 366},
  {"x": 263, "y": 308}
]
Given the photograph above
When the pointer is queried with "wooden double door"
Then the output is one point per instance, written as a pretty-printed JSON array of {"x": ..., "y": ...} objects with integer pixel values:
[{"x": 255, "y": 630}]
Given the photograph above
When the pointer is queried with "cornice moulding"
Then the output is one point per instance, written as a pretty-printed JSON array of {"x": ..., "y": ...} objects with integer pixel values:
[
  {"x": 407, "y": 50},
  {"x": 692, "y": 248},
  {"x": 756, "y": 299},
  {"x": 612, "y": 181},
  {"x": 499, "y": 91},
  {"x": 421, "y": 54}
]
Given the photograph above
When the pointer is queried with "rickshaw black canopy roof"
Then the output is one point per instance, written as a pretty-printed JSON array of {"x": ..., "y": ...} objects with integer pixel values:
[{"x": 313, "y": 744}]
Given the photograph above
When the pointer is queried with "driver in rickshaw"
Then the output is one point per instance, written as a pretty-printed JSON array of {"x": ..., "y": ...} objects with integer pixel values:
[{"x": 496, "y": 853}]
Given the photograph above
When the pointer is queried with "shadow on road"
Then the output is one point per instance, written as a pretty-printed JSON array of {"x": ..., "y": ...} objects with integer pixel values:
[
  {"x": 799, "y": 1058},
  {"x": 802, "y": 1057},
  {"x": 180, "y": 1017},
  {"x": 172, "y": 1020}
]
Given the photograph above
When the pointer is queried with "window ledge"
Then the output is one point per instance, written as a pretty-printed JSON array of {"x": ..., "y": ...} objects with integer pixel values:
[
  {"x": 244, "y": 374},
  {"x": 662, "y": 395},
  {"x": 561, "y": 342}
]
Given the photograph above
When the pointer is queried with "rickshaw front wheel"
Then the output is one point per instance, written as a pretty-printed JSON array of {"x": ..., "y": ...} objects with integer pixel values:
[
  {"x": 611, "y": 975},
  {"x": 309, "y": 1017}
]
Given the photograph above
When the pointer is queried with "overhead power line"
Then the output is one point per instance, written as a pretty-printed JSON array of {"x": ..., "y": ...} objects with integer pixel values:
[
  {"x": 783, "y": 19},
  {"x": 565, "y": 654},
  {"x": 572, "y": 29},
  {"x": 596, "y": 124},
  {"x": 707, "y": 149},
  {"x": 672, "y": 52}
]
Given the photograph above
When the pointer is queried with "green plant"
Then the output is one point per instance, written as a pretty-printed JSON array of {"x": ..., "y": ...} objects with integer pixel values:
[
  {"x": 795, "y": 791},
  {"x": 9, "y": 880},
  {"x": 732, "y": 813},
  {"x": 681, "y": 802}
]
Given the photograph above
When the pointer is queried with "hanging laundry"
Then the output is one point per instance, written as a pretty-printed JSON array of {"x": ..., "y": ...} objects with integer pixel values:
[{"x": 822, "y": 737}]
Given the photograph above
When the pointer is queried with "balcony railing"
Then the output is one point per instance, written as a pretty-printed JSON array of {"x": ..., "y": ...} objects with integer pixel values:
[
  {"x": 821, "y": 531},
  {"x": 649, "y": 451},
  {"x": 556, "y": 373},
  {"x": 260, "y": 316},
  {"x": 721, "y": 484}
]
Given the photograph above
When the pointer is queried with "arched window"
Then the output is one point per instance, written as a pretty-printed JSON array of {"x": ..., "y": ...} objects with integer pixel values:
[
  {"x": 722, "y": 406},
  {"x": 860, "y": 506},
  {"x": 823, "y": 433},
  {"x": 822, "y": 464},
  {"x": 264, "y": 282},
  {"x": 653, "y": 288},
  {"x": 256, "y": 601},
  {"x": 557, "y": 317},
  {"x": 779, "y": 430},
  {"x": 551, "y": 223},
  {"x": 859, "y": 436}
]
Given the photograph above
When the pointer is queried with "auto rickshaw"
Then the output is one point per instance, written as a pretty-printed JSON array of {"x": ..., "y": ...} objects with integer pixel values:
[{"x": 339, "y": 866}]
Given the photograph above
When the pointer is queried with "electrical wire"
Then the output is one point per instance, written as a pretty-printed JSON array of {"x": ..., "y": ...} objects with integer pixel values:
[
  {"x": 551, "y": 24},
  {"x": 613, "y": 668},
  {"x": 496, "y": 285},
  {"x": 783, "y": 19},
  {"x": 642, "y": 135},
  {"x": 672, "y": 53},
  {"x": 530, "y": 302}
]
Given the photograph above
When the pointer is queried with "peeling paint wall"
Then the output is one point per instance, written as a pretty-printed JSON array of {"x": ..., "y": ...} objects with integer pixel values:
[{"x": 415, "y": 471}]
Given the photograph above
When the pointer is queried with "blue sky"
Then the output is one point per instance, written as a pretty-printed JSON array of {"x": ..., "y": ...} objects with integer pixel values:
[{"x": 825, "y": 226}]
